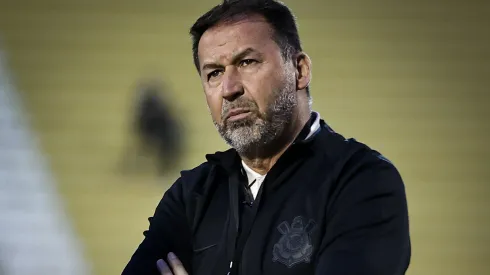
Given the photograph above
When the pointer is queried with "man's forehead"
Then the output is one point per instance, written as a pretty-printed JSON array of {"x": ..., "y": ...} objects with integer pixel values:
[
  {"x": 235, "y": 35},
  {"x": 240, "y": 21}
]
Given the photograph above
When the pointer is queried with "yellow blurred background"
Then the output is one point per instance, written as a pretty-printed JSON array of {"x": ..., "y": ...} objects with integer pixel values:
[{"x": 409, "y": 78}]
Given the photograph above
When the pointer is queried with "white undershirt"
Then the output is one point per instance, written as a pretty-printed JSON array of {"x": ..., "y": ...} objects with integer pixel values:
[{"x": 258, "y": 178}]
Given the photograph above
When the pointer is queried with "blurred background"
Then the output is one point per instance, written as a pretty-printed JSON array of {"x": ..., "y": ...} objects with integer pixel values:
[{"x": 100, "y": 107}]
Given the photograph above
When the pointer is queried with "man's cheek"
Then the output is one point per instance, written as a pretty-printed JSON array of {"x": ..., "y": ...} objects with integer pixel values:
[{"x": 217, "y": 116}]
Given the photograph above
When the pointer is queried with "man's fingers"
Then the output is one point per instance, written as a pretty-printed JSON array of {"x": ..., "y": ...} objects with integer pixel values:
[
  {"x": 163, "y": 268},
  {"x": 176, "y": 264}
]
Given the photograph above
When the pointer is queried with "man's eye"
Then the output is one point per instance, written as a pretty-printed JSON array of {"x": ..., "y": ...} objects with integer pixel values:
[
  {"x": 215, "y": 73},
  {"x": 246, "y": 62}
]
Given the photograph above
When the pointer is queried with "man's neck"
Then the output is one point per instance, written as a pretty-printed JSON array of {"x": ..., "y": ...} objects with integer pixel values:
[{"x": 262, "y": 165}]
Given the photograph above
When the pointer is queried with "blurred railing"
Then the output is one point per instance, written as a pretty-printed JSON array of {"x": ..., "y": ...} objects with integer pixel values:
[{"x": 35, "y": 235}]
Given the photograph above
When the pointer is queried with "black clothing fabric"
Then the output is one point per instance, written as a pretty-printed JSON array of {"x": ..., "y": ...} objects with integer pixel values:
[{"x": 329, "y": 205}]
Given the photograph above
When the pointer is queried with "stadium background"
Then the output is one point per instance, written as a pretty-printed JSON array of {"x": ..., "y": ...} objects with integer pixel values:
[{"x": 411, "y": 79}]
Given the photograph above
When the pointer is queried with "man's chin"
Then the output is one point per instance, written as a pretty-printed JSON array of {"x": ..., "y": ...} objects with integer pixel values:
[
  {"x": 239, "y": 137},
  {"x": 239, "y": 124},
  {"x": 239, "y": 132}
]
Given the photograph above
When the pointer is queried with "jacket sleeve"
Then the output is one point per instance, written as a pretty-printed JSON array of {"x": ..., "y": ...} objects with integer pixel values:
[
  {"x": 367, "y": 230},
  {"x": 168, "y": 232}
]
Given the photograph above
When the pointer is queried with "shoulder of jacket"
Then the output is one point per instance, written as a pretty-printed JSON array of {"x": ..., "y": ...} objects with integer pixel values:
[
  {"x": 196, "y": 175},
  {"x": 347, "y": 154},
  {"x": 202, "y": 179}
]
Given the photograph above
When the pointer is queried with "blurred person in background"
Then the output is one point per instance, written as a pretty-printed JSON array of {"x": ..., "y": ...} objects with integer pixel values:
[
  {"x": 291, "y": 196},
  {"x": 158, "y": 133}
]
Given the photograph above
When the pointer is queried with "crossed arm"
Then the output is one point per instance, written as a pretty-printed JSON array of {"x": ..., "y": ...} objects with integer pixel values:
[
  {"x": 168, "y": 232},
  {"x": 367, "y": 231}
]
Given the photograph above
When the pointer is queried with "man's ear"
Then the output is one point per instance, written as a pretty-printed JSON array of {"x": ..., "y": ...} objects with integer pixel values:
[{"x": 303, "y": 71}]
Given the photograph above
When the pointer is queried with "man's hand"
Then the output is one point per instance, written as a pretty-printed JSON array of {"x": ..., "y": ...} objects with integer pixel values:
[{"x": 176, "y": 267}]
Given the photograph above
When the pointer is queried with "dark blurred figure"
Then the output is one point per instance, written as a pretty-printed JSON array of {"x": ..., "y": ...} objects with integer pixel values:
[{"x": 158, "y": 132}]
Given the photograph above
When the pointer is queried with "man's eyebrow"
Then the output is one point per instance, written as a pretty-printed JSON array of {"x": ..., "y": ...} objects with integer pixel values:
[{"x": 236, "y": 57}]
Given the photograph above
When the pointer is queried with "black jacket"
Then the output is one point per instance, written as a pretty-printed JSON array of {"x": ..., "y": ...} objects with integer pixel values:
[{"x": 329, "y": 206}]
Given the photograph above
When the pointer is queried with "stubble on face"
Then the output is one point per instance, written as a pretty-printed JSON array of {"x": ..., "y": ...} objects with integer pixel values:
[{"x": 255, "y": 134}]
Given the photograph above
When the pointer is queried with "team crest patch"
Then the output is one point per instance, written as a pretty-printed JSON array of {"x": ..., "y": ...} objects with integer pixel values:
[{"x": 295, "y": 244}]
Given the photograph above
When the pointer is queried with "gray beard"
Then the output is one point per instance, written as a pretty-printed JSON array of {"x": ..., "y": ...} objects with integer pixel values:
[{"x": 257, "y": 134}]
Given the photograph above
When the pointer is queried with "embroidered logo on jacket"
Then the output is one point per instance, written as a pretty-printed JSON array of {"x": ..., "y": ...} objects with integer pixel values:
[{"x": 295, "y": 244}]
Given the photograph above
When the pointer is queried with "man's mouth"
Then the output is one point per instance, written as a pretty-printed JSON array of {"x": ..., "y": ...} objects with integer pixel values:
[{"x": 237, "y": 114}]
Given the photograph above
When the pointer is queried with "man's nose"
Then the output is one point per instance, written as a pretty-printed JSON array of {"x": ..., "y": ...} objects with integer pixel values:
[{"x": 232, "y": 85}]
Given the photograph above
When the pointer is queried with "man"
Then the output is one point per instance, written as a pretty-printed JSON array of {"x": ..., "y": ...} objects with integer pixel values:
[
  {"x": 292, "y": 196},
  {"x": 157, "y": 130}
]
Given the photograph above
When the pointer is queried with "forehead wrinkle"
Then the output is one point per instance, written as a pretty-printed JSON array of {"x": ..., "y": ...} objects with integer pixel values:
[{"x": 231, "y": 35}]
